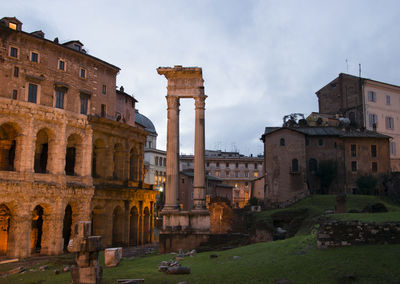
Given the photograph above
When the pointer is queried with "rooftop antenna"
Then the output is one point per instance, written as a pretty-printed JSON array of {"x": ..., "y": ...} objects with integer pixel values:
[
  {"x": 359, "y": 70},
  {"x": 347, "y": 66}
]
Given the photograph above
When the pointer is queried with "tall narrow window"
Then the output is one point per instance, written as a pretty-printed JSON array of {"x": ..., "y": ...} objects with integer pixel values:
[
  {"x": 295, "y": 165},
  {"x": 373, "y": 120},
  {"x": 16, "y": 71},
  {"x": 387, "y": 99},
  {"x": 82, "y": 73},
  {"x": 103, "y": 110},
  {"x": 353, "y": 150},
  {"x": 61, "y": 65},
  {"x": 353, "y": 166},
  {"x": 14, "y": 52},
  {"x": 389, "y": 122},
  {"x": 59, "y": 99},
  {"x": 373, "y": 151},
  {"x": 32, "y": 93},
  {"x": 246, "y": 165},
  {"x": 374, "y": 167},
  {"x": 371, "y": 96},
  {"x": 393, "y": 148},
  {"x": 104, "y": 89},
  {"x": 84, "y": 103},
  {"x": 35, "y": 57},
  {"x": 282, "y": 142},
  {"x": 15, "y": 94}
]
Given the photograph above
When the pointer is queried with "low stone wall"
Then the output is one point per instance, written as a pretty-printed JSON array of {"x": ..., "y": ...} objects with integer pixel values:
[{"x": 341, "y": 233}]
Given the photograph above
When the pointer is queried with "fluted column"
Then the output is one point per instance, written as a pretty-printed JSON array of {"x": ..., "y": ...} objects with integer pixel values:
[
  {"x": 199, "y": 145},
  {"x": 171, "y": 188}
]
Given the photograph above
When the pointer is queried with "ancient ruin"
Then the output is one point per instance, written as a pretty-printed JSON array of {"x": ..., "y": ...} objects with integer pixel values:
[{"x": 185, "y": 229}]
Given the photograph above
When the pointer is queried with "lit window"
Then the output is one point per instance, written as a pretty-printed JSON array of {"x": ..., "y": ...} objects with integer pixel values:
[
  {"x": 14, "y": 52},
  {"x": 371, "y": 96},
  {"x": 34, "y": 57},
  {"x": 59, "y": 99},
  {"x": 82, "y": 73},
  {"x": 217, "y": 173},
  {"x": 12, "y": 26},
  {"x": 389, "y": 122},
  {"x": 104, "y": 89},
  {"x": 32, "y": 93},
  {"x": 61, "y": 65},
  {"x": 255, "y": 174},
  {"x": 387, "y": 99}
]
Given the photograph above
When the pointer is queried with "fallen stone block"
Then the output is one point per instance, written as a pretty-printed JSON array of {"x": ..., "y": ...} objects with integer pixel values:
[
  {"x": 178, "y": 270},
  {"x": 16, "y": 270},
  {"x": 112, "y": 256}
]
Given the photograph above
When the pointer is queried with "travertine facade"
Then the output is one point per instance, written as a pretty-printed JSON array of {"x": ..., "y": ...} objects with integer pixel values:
[
  {"x": 367, "y": 103},
  {"x": 64, "y": 154}
]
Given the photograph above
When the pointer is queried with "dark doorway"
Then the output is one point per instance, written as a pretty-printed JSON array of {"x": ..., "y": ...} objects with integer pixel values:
[{"x": 67, "y": 226}]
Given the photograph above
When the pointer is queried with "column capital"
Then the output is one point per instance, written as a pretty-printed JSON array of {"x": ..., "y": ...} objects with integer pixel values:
[
  {"x": 200, "y": 102},
  {"x": 173, "y": 102}
]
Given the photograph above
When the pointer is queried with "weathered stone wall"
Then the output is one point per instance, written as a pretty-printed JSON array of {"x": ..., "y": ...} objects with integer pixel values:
[
  {"x": 336, "y": 234},
  {"x": 285, "y": 185}
]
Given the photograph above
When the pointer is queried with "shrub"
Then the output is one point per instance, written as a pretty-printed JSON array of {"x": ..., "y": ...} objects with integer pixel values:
[{"x": 367, "y": 185}]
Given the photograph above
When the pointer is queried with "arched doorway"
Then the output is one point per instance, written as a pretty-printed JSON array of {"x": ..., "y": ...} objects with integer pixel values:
[
  {"x": 146, "y": 225},
  {"x": 133, "y": 228},
  {"x": 41, "y": 152},
  {"x": 8, "y": 142},
  {"x": 37, "y": 229},
  {"x": 67, "y": 223},
  {"x": 5, "y": 217},
  {"x": 118, "y": 227},
  {"x": 73, "y": 152}
]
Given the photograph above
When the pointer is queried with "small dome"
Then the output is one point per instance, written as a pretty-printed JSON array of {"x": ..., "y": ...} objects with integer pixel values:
[{"x": 145, "y": 122}]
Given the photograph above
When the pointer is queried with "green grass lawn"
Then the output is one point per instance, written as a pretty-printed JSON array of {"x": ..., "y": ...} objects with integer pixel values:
[{"x": 296, "y": 259}]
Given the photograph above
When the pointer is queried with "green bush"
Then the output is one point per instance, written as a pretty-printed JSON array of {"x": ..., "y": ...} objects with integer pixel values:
[{"x": 367, "y": 185}]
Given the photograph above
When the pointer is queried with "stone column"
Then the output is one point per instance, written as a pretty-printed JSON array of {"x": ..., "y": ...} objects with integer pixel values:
[
  {"x": 171, "y": 188},
  {"x": 199, "y": 146}
]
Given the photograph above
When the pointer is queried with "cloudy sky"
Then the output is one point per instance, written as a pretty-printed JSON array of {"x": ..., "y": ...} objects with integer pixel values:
[{"x": 261, "y": 59}]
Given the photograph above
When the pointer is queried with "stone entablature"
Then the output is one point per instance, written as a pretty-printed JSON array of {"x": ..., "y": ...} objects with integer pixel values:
[{"x": 342, "y": 233}]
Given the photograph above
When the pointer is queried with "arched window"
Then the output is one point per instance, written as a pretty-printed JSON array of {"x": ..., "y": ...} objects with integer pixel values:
[
  {"x": 282, "y": 142},
  {"x": 313, "y": 165},
  {"x": 295, "y": 165}
]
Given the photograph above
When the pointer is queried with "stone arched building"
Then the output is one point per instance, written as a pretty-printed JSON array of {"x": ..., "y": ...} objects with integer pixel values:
[{"x": 69, "y": 148}]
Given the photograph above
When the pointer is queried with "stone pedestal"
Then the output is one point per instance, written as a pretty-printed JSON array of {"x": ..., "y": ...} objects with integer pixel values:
[{"x": 86, "y": 249}]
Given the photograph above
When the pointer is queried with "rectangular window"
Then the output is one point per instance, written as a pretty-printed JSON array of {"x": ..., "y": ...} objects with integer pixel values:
[
  {"x": 61, "y": 65},
  {"x": 15, "y": 94},
  {"x": 255, "y": 174},
  {"x": 82, "y": 73},
  {"x": 320, "y": 142},
  {"x": 237, "y": 165},
  {"x": 389, "y": 122},
  {"x": 373, "y": 151},
  {"x": 374, "y": 167},
  {"x": 246, "y": 165},
  {"x": 103, "y": 110},
  {"x": 217, "y": 165},
  {"x": 84, "y": 103},
  {"x": 236, "y": 174},
  {"x": 16, "y": 71},
  {"x": 227, "y": 173},
  {"x": 255, "y": 165},
  {"x": 59, "y": 99},
  {"x": 104, "y": 89},
  {"x": 371, "y": 96},
  {"x": 227, "y": 165},
  {"x": 246, "y": 174},
  {"x": 393, "y": 148},
  {"x": 14, "y": 52},
  {"x": 208, "y": 164},
  {"x": 32, "y": 93},
  {"x": 34, "y": 57},
  {"x": 373, "y": 120},
  {"x": 353, "y": 166},
  {"x": 353, "y": 150},
  {"x": 217, "y": 173},
  {"x": 12, "y": 26},
  {"x": 387, "y": 99}
]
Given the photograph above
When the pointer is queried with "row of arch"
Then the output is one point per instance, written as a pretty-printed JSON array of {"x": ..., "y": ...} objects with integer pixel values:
[
  {"x": 140, "y": 227},
  {"x": 46, "y": 157}
]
